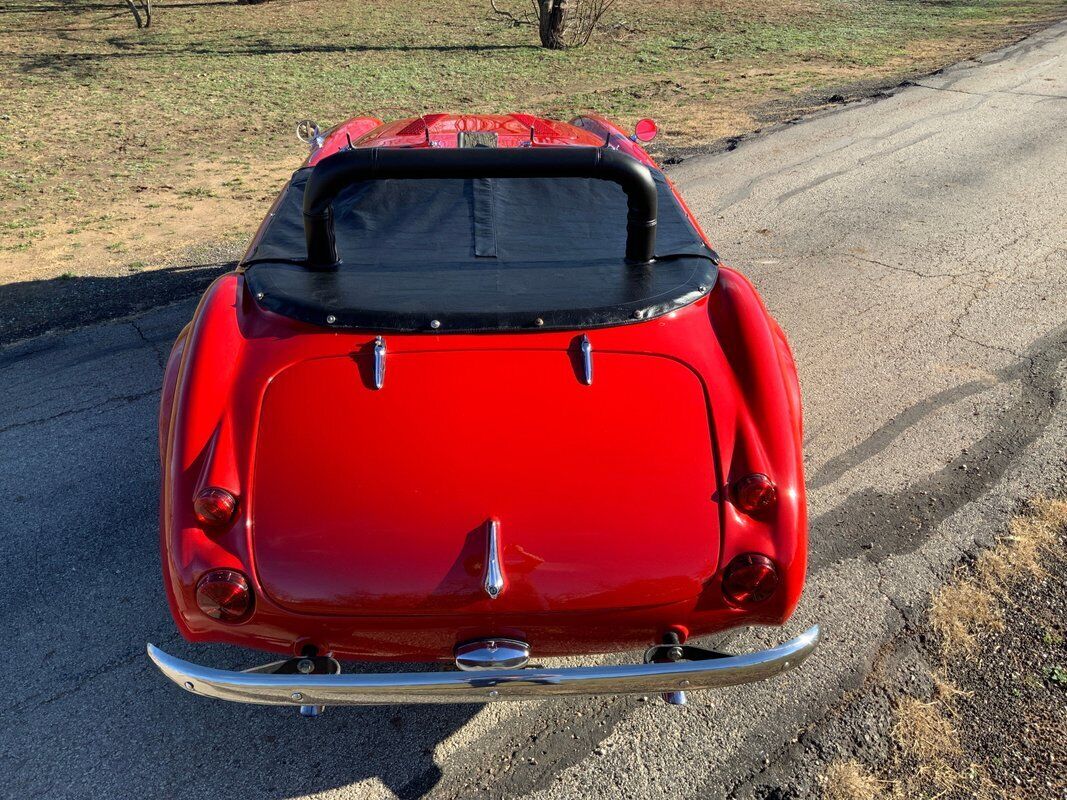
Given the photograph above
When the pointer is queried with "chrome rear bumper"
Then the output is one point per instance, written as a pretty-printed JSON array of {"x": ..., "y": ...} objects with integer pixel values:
[{"x": 485, "y": 685}]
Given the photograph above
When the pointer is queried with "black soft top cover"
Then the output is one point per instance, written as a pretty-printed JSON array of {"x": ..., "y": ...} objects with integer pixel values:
[{"x": 478, "y": 254}]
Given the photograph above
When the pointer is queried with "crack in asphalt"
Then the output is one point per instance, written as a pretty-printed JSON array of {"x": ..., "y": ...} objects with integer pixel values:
[
  {"x": 745, "y": 191},
  {"x": 80, "y": 680},
  {"x": 894, "y": 268},
  {"x": 860, "y": 162},
  {"x": 994, "y": 347},
  {"x": 993, "y": 93},
  {"x": 126, "y": 399},
  {"x": 952, "y": 277},
  {"x": 161, "y": 357}
]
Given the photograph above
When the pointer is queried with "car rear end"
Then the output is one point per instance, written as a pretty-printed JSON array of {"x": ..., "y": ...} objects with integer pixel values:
[
  {"x": 360, "y": 510},
  {"x": 409, "y": 485}
]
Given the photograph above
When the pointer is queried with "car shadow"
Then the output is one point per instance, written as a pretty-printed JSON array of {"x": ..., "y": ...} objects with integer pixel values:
[
  {"x": 79, "y": 483},
  {"x": 30, "y": 308},
  {"x": 261, "y": 751}
]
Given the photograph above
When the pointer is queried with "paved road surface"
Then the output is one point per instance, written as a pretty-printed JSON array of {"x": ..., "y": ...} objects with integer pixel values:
[{"x": 915, "y": 250}]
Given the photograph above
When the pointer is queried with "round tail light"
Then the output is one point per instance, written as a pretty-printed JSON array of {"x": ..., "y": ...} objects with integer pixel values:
[
  {"x": 214, "y": 507},
  {"x": 223, "y": 594},
  {"x": 750, "y": 578},
  {"x": 755, "y": 493}
]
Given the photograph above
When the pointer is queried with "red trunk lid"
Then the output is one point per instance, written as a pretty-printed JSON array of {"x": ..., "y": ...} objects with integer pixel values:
[{"x": 377, "y": 501}]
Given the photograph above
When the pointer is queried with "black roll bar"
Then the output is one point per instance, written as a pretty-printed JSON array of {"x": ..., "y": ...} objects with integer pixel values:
[{"x": 331, "y": 175}]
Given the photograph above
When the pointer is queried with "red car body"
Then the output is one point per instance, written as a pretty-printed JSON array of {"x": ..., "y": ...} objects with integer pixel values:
[{"x": 360, "y": 513}]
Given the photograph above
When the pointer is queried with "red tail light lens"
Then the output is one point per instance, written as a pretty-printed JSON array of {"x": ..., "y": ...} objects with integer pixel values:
[
  {"x": 223, "y": 594},
  {"x": 750, "y": 578},
  {"x": 214, "y": 507},
  {"x": 755, "y": 493}
]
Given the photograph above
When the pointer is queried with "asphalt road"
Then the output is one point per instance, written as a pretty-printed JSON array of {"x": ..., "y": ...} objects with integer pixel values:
[{"x": 915, "y": 250}]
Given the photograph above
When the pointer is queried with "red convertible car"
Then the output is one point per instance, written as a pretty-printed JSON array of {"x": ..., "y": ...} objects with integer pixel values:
[{"x": 480, "y": 391}]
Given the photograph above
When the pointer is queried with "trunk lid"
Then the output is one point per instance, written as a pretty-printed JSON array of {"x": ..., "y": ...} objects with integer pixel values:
[{"x": 378, "y": 501}]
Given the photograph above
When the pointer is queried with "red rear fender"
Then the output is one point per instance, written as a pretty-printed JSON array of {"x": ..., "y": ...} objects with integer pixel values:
[{"x": 760, "y": 430}]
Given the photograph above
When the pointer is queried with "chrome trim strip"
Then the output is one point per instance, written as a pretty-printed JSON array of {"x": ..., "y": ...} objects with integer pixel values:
[
  {"x": 587, "y": 359},
  {"x": 494, "y": 569},
  {"x": 486, "y": 685},
  {"x": 379, "y": 362}
]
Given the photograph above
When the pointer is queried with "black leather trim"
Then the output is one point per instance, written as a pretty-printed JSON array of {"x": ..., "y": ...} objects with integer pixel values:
[{"x": 492, "y": 298}]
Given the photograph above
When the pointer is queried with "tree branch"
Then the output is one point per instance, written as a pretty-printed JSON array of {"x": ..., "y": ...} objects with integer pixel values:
[
  {"x": 516, "y": 21},
  {"x": 135, "y": 12}
]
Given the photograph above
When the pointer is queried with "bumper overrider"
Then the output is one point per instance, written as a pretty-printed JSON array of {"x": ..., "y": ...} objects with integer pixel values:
[{"x": 484, "y": 685}]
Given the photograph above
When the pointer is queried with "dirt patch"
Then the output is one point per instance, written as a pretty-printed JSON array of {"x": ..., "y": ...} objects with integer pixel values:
[
  {"x": 995, "y": 723},
  {"x": 149, "y": 225}
]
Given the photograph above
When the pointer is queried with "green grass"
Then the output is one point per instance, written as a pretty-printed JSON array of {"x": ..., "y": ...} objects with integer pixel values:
[
  {"x": 1057, "y": 675},
  {"x": 205, "y": 101}
]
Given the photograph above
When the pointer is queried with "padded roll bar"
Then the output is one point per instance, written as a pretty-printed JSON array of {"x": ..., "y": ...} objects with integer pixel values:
[{"x": 331, "y": 175}]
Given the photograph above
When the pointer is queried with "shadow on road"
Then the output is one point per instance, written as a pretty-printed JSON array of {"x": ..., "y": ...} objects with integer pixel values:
[
  {"x": 31, "y": 308},
  {"x": 81, "y": 589}
]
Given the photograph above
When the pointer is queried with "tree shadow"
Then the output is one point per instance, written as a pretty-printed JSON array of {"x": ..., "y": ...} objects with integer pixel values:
[
  {"x": 126, "y": 48},
  {"x": 83, "y": 8},
  {"x": 30, "y": 308},
  {"x": 84, "y": 65}
]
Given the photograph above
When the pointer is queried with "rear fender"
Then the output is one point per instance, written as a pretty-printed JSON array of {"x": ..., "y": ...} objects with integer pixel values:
[
  {"x": 759, "y": 425},
  {"x": 200, "y": 447},
  {"x": 170, "y": 383}
]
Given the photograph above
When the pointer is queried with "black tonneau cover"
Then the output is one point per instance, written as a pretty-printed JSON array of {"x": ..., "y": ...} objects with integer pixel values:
[{"x": 478, "y": 255}]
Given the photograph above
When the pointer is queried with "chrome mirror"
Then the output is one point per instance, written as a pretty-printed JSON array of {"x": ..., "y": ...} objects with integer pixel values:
[{"x": 307, "y": 131}]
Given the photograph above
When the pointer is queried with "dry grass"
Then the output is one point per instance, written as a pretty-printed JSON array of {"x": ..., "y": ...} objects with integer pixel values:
[
  {"x": 926, "y": 738},
  {"x": 959, "y": 613},
  {"x": 850, "y": 780},
  {"x": 965, "y": 609},
  {"x": 928, "y": 753},
  {"x": 1033, "y": 538},
  {"x": 924, "y": 730},
  {"x": 928, "y": 760}
]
